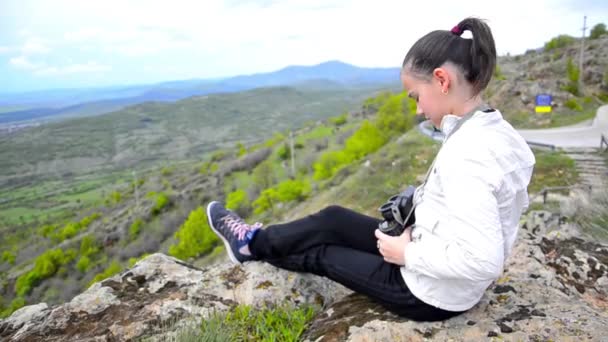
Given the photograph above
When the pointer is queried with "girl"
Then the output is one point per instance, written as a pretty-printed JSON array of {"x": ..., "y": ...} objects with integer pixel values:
[{"x": 467, "y": 209}]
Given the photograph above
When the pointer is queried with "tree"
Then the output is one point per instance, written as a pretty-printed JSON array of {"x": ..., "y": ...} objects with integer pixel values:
[{"x": 597, "y": 31}]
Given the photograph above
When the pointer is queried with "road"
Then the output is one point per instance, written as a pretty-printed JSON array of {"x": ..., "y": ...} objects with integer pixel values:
[
  {"x": 580, "y": 135},
  {"x": 571, "y": 136}
]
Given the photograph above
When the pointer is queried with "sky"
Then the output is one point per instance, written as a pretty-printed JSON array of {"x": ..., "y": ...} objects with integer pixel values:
[{"x": 48, "y": 44}]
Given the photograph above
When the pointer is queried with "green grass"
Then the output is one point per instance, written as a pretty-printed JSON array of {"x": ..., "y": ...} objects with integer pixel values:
[
  {"x": 244, "y": 323},
  {"x": 317, "y": 133},
  {"x": 552, "y": 169},
  {"x": 559, "y": 117}
]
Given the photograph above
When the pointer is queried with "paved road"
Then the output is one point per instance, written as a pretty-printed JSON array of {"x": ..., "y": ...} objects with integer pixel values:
[
  {"x": 578, "y": 135},
  {"x": 571, "y": 136}
]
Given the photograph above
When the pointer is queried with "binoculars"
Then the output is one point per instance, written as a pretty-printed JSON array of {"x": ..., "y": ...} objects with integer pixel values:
[{"x": 398, "y": 212}]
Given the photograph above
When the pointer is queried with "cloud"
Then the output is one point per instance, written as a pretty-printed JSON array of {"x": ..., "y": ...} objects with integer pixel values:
[
  {"x": 89, "y": 67},
  {"x": 42, "y": 69},
  {"x": 35, "y": 46},
  {"x": 21, "y": 62},
  {"x": 6, "y": 49}
]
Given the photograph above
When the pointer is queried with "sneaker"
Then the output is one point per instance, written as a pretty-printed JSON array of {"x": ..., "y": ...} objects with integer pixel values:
[{"x": 235, "y": 233}]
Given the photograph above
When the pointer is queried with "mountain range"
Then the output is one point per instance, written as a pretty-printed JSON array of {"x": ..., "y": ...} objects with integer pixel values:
[{"x": 63, "y": 103}]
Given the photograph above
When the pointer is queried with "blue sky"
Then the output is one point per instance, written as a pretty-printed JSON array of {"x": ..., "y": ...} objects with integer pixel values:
[{"x": 48, "y": 44}]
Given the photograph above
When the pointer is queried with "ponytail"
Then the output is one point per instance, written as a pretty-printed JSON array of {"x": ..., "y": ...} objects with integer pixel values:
[{"x": 475, "y": 57}]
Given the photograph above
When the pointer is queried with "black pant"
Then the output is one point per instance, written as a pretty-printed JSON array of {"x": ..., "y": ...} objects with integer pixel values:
[{"x": 339, "y": 244}]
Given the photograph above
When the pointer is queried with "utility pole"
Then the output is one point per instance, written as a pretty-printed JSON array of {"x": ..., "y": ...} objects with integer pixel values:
[
  {"x": 293, "y": 157},
  {"x": 582, "y": 57}
]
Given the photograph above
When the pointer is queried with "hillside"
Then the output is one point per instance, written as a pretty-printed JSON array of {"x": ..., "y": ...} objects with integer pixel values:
[
  {"x": 518, "y": 79},
  {"x": 152, "y": 132}
]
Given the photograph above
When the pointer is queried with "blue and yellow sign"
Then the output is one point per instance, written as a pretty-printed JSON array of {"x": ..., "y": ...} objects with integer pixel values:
[{"x": 543, "y": 103}]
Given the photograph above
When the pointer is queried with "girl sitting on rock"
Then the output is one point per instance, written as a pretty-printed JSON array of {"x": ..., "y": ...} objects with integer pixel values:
[{"x": 467, "y": 210}]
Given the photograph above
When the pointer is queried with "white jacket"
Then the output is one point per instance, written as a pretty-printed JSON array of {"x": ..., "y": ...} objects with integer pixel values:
[{"x": 467, "y": 214}]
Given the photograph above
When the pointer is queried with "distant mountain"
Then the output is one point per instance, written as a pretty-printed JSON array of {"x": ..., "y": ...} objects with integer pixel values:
[{"x": 85, "y": 102}]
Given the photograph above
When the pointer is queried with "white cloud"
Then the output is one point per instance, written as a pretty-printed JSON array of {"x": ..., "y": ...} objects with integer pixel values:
[
  {"x": 21, "y": 62},
  {"x": 35, "y": 46},
  {"x": 89, "y": 67},
  {"x": 42, "y": 69}
]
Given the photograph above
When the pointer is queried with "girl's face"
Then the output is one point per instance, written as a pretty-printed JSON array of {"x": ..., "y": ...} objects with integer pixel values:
[{"x": 431, "y": 101}]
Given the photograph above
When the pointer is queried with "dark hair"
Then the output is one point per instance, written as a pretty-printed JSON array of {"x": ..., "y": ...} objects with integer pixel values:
[{"x": 476, "y": 57}]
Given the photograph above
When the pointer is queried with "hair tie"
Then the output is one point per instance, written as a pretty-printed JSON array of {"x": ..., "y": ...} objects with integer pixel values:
[{"x": 456, "y": 30}]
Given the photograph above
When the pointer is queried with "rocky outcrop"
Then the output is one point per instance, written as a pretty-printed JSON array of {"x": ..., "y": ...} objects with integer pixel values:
[
  {"x": 161, "y": 293},
  {"x": 554, "y": 287}
]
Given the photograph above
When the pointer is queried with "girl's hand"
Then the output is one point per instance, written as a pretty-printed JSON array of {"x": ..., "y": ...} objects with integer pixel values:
[{"x": 392, "y": 248}]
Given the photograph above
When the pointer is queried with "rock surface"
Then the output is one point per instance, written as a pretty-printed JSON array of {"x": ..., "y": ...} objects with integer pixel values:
[
  {"x": 158, "y": 292},
  {"x": 554, "y": 287}
]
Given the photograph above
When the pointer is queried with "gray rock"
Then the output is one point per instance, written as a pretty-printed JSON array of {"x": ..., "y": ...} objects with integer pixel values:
[
  {"x": 159, "y": 292},
  {"x": 539, "y": 297}
]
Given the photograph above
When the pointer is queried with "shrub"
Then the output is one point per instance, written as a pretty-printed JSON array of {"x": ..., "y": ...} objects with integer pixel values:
[
  {"x": 597, "y": 31},
  {"x": 88, "y": 246},
  {"x": 194, "y": 236},
  {"x": 365, "y": 140},
  {"x": 284, "y": 152},
  {"x": 265, "y": 201},
  {"x": 329, "y": 163},
  {"x": 238, "y": 201},
  {"x": 573, "y": 104},
  {"x": 162, "y": 200},
  {"x": 498, "y": 73},
  {"x": 339, "y": 120},
  {"x": 8, "y": 257},
  {"x": 573, "y": 76},
  {"x": 559, "y": 42},
  {"x": 112, "y": 269},
  {"x": 240, "y": 149},
  {"x": 45, "y": 266},
  {"x": 16, "y": 304},
  {"x": 166, "y": 171},
  {"x": 115, "y": 197},
  {"x": 392, "y": 117},
  {"x": 83, "y": 264},
  {"x": 135, "y": 228}
]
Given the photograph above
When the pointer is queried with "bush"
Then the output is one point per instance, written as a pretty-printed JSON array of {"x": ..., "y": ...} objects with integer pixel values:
[
  {"x": 162, "y": 200},
  {"x": 498, "y": 74},
  {"x": 111, "y": 270},
  {"x": 365, "y": 140},
  {"x": 339, "y": 120},
  {"x": 8, "y": 257},
  {"x": 83, "y": 264},
  {"x": 329, "y": 163},
  {"x": 45, "y": 266},
  {"x": 573, "y": 76},
  {"x": 559, "y": 42},
  {"x": 394, "y": 115},
  {"x": 574, "y": 105},
  {"x": 135, "y": 228},
  {"x": 238, "y": 201},
  {"x": 88, "y": 246},
  {"x": 597, "y": 31},
  {"x": 115, "y": 197},
  {"x": 284, "y": 152},
  {"x": 194, "y": 236},
  {"x": 287, "y": 191},
  {"x": 16, "y": 304}
]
